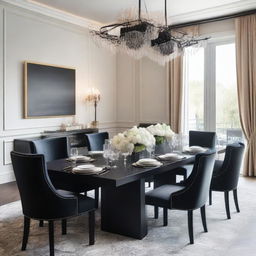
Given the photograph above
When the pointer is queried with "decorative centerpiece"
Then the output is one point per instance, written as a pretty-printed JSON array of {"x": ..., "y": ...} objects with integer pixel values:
[
  {"x": 133, "y": 140},
  {"x": 161, "y": 132}
]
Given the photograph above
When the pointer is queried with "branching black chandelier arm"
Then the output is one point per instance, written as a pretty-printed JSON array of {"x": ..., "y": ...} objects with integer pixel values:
[{"x": 140, "y": 36}]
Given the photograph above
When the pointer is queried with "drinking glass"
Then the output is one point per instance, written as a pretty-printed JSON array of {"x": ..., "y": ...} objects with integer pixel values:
[
  {"x": 106, "y": 153},
  {"x": 74, "y": 154},
  {"x": 151, "y": 151},
  {"x": 113, "y": 156}
]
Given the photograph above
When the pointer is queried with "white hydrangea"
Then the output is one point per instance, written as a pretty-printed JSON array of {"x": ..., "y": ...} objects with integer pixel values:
[
  {"x": 125, "y": 141},
  {"x": 162, "y": 130}
]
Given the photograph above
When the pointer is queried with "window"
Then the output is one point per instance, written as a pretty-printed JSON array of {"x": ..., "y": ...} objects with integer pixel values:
[{"x": 211, "y": 91}]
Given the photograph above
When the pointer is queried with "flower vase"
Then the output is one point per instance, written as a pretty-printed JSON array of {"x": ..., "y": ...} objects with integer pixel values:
[{"x": 162, "y": 148}]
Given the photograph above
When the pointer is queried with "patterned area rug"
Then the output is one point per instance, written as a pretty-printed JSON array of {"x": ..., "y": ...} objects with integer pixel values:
[{"x": 225, "y": 237}]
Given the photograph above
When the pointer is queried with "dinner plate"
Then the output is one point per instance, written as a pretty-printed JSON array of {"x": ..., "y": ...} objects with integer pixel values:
[
  {"x": 88, "y": 171},
  {"x": 81, "y": 159},
  {"x": 85, "y": 166},
  {"x": 154, "y": 163}
]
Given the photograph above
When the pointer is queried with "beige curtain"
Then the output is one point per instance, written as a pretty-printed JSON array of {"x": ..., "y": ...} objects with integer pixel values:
[
  {"x": 176, "y": 86},
  {"x": 246, "y": 84}
]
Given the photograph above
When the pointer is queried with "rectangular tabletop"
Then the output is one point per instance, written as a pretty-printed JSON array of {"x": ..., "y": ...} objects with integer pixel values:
[{"x": 115, "y": 176}]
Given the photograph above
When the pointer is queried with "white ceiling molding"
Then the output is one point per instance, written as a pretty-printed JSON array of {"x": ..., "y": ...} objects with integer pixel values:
[
  {"x": 181, "y": 18},
  {"x": 214, "y": 12},
  {"x": 52, "y": 12}
]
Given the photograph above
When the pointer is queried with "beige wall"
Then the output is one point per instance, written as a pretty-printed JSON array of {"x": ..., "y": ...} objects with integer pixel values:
[
  {"x": 28, "y": 36},
  {"x": 133, "y": 91}
]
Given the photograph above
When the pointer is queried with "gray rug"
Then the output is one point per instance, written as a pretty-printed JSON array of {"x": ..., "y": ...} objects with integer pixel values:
[{"x": 225, "y": 237}]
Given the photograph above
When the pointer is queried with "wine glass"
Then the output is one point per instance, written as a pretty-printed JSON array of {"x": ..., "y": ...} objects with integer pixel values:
[{"x": 127, "y": 150}]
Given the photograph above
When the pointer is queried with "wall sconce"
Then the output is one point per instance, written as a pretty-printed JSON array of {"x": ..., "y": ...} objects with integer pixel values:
[{"x": 94, "y": 97}]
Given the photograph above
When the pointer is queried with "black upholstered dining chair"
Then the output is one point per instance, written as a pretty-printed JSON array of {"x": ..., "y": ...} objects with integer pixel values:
[
  {"x": 95, "y": 141},
  {"x": 57, "y": 148},
  {"x": 197, "y": 138},
  {"x": 51, "y": 148},
  {"x": 41, "y": 201},
  {"x": 189, "y": 196},
  {"x": 226, "y": 174}
]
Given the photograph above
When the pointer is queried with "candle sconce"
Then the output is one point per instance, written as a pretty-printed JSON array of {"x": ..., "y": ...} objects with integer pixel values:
[{"x": 94, "y": 97}]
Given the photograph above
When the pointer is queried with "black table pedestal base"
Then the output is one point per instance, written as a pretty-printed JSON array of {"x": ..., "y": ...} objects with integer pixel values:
[{"x": 123, "y": 209}]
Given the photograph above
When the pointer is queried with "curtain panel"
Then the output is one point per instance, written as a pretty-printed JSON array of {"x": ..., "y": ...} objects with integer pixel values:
[
  {"x": 246, "y": 85},
  {"x": 175, "y": 68}
]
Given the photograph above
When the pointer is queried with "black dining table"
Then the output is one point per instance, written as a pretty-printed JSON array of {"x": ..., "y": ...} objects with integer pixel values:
[{"x": 123, "y": 208}]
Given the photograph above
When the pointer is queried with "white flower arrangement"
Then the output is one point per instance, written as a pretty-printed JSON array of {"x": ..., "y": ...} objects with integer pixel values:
[
  {"x": 135, "y": 139},
  {"x": 161, "y": 132}
]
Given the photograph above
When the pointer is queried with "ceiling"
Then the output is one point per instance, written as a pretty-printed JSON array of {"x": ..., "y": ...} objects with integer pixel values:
[{"x": 106, "y": 11}]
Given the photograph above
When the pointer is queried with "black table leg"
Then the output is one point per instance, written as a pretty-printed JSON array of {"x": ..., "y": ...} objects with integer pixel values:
[{"x": 123, "y": 209}]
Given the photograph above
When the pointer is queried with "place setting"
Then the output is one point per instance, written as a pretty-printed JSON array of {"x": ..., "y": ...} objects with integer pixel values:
[
  {"x": 75, "y": 157},
  {"x": 90, "y": 169},
  {"x": 147, "y": 162},
  {"x": 170, "y": 157}
]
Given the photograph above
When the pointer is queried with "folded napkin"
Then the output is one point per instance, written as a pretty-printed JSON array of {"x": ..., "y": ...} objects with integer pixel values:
[
  {"x": 87, "y": 169},
  {"x": 170, "y": 157},
  {"x": 195, "y": 149},
  {"x": 147, "y": 162},
  {"x": 80, "y": 158},
  {"x": 95, "y": 152}
]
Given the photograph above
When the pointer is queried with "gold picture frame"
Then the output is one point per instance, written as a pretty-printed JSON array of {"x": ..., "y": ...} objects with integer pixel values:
[{"x": 26, "y": 102}]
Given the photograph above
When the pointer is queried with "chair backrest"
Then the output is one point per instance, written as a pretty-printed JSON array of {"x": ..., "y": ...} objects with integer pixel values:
[
  {"x": 197, "y": 186},
  {"x": 227, "y": 177},
  {"x": 39, "y": 198},
  {"x": 95, "y": 141},
  {"x": 51, "y": 148},
  {"x": 234, "y": 135},
  {"x": 202, "y": 139}
]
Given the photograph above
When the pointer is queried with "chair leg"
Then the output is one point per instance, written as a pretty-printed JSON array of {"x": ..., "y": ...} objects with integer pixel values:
[
  {"x": 25, "y": 233},
  {"x": 96, "y": 197},
  {"x": 156, "y": 209},
  {"x": 165, "y": 216},
  {"x": 41, "y": 223},
  {"x": 51, "y": 237},
  {"x": 190, "y": 226},
  {"x": 203, "y": 216},
  {"x": 226, "y": 195},
  {"x": 91, "y": 227},
  {"x": 236, "y": 200},
  {"x": 210, "y": 197},
  {"x": 64, "y": 226}
]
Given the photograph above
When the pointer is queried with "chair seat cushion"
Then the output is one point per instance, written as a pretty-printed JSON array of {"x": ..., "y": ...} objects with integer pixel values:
[
  {"x": 161, "y": 196},
  {"x": 85, "y": 203},
  {"x": 65, "y": 193}
]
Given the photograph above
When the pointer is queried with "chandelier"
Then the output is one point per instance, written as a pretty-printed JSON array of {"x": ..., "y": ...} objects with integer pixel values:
[{"x": 143, "y": 37}]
